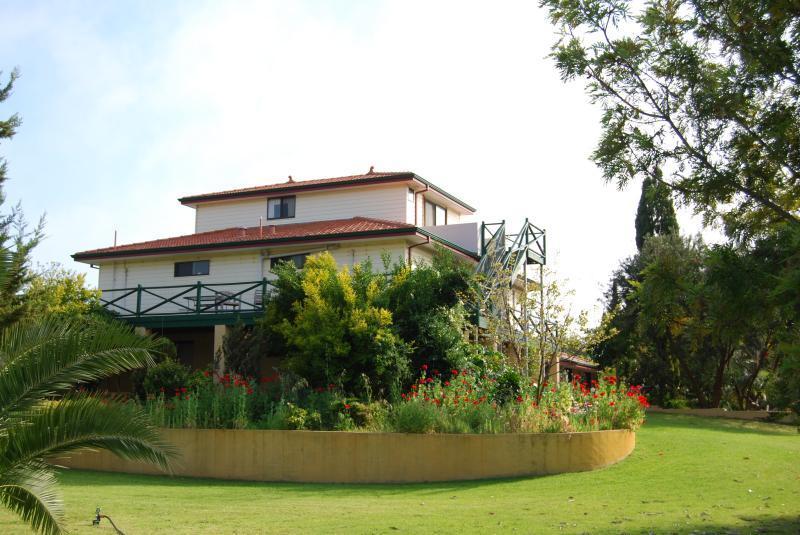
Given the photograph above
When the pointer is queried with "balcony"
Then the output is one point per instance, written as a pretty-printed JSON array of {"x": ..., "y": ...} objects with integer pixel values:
[{"x": 188, "y": 304}]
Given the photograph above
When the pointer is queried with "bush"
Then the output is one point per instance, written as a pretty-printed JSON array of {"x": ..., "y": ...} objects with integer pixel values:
[
  {"x": 339, "y": 332},
  {"x": 508, "y": 386},
  {"x": 414, "y": 417},
  {"x": 165, "y": 377}
]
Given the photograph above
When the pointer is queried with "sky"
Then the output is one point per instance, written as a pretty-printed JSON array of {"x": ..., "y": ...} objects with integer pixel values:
[{"x": 128, "y": 105}]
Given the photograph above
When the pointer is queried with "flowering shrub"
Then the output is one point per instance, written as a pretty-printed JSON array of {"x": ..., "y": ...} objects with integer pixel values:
[
  {"x": 454, "y": 401},
  {"x": 462, "y": 402}
]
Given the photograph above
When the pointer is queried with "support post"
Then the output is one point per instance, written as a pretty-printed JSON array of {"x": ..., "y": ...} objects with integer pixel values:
[
  {"x": 197, "y": 305},
  {"x": 138, "y": 299},
  {"x": 219, "y": 355}
]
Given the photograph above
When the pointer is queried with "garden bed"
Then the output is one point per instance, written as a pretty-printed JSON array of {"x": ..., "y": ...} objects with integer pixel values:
[{"x": 353, "y": 457}]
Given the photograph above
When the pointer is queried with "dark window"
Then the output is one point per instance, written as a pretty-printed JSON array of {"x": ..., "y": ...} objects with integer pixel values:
[
  {"x": 280, "y": 207},
  {"x": 299, "y": 260},
  {"x": 435, "y": 214},
  {"x": 189, "y": 269},
  {"x": 410, "y": 195}
]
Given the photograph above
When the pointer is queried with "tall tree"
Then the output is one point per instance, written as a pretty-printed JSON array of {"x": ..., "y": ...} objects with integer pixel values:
[
  {"x": 42, "y": 361},
  {"x": 655, "y": 215},
  {"x": 707, "y": 90},
  {"x": 16, "y": 242}
]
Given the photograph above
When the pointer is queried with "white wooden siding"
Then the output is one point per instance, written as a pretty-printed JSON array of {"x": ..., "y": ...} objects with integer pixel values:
[
  {"x": 235, "y": 267},
  {"x": 380, "y": 202},
  {"x": 231, "y": 267}
]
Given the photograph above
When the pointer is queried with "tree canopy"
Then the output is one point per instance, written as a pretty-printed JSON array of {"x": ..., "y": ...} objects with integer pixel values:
[{"x": 704, "y": 90}]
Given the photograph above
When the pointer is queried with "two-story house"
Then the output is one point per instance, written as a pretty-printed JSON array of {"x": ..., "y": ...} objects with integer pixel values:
[{"x": 190, "y": 288}]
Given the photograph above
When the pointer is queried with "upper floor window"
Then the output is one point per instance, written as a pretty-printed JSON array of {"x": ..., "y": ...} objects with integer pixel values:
[
  {"x": 189, "y": 269},
  {"x": 435, "y": 214},
  {"x": 299, "y": 260},
  {"x": 410, "y": 195},
  {"x": 280, "y": 207}
]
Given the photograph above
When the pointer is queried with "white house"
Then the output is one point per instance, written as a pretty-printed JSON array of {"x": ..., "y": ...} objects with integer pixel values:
[{"x": 189, "y": 288}]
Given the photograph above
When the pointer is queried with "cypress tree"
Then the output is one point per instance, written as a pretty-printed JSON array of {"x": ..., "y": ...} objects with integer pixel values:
[
  {"x": 656, "y": 214},
  {"x": 16, "y": 242}
]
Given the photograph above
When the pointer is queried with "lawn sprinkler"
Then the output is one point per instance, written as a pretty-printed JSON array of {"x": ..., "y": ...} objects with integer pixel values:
[{"x": 98, "y": 517}]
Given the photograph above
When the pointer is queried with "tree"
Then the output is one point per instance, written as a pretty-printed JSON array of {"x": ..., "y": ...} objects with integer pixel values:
[
  {"x": 655, "y": 214},
  {"x": 42, "y": 417},
  {"x": 706, "y": 90},
  {"x": 42, "y": 361},
  {"x": 339, "y": 334},
  {"x": 16, "y": 242},
  {"x": 54, "y": 290}
]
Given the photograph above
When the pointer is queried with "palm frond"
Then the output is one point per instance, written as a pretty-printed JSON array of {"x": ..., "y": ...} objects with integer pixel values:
[
  {"x": 47, "y": 358},
  {"x": 31, "y": 491},
  {"x": 83, "y": 422}
]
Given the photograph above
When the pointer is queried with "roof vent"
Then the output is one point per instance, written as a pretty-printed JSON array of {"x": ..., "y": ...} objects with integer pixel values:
[
  {"x": 291, "y": 180},
  {"x": 371, "y": 170}
]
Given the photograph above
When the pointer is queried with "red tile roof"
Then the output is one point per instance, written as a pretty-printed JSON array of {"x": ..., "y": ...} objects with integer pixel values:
[
  {"x": 291, "y": 185},
  {"x": 268, "y": 234}
]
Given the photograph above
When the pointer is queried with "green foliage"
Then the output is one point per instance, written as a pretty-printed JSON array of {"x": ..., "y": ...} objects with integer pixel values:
[
  {"x": 244, "y": 347},
  {"x": 339, "y": 331},
  {"x": 16, "y": 240},
  {"x": 508, "y": 386},
  {"x": 655, "y": 215},
  {"x": 426, "y": 303},
  {"x": 55, "y": 290},
  {"x": 167, "y": 376},
  {"x": 704, "y": 89}
]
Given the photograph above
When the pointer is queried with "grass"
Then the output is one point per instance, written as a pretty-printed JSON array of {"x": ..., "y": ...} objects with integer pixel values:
[{"x": 686, "y": 475}]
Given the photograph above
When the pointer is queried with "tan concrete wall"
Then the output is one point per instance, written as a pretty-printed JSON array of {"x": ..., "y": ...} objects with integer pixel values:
[{"x": 341, "y": 457}]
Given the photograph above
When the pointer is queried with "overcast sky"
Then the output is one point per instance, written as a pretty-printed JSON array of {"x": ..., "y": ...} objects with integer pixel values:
[{"x": 126, "y": 107}]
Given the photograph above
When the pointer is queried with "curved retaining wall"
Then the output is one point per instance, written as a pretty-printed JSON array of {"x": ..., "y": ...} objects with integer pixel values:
[{"x": 342, "y": 457}]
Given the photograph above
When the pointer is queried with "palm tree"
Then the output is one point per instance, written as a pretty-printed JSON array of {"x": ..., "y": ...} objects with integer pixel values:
[{"x": 42, "y": 416}]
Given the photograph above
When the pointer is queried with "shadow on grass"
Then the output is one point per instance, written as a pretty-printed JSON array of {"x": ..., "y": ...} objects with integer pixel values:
[
  {"x": 702, "y": 423},
  {"x": 759, "y": 524},
  {"x": 80, "y": 478}
]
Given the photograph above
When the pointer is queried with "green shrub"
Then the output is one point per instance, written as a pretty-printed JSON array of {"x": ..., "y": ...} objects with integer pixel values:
[
  {"x": 508, "y": 386},
  {"x": 339, "y": 333},
  {"x": 414, "y": 417},
  {"x": 165, "y": 377}
]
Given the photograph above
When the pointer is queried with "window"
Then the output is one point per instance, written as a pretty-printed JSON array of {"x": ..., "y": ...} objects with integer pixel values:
[
  {"x": 410, "y": 195},
  {"x": 299, "y": 260},
  {"x": 280, "y": 207},
  {"x": 189, "y": 269},
  {"x": 435, "y": 214}
]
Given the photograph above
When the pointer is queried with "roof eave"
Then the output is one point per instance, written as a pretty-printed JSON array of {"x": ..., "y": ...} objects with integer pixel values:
[{"x": 91, "y": 256}]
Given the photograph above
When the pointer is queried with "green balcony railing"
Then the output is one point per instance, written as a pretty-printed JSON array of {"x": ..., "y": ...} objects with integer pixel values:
[{"x": 195, "y": 299}]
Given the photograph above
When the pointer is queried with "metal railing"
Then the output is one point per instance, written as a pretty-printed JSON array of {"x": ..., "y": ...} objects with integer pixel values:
[{"x": 199, "y": 298}]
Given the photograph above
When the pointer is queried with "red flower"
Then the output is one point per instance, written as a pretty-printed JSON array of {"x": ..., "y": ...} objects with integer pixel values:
[
  {"x": 454, "y": 372},
  {"x": 249, "y": 391},
  {"x": 447, "y": 383},
  {"x": 519, "y": 399},
  {"x": 429, "y": 380},
  {"x": 183, "y": 390},
  {"x": 346, "y": 405},
  {"x": 611, "y": 404},
  {"x": 206, "y": 373},
  {"x": 424, "y": 367}
]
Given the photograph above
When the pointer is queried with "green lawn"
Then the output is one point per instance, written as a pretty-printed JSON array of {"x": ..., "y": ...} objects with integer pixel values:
[{"x": 687, "y": 474}]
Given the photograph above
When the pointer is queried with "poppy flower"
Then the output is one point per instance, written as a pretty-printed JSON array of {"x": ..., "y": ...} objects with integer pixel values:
[{"x": 346, "y": 405}]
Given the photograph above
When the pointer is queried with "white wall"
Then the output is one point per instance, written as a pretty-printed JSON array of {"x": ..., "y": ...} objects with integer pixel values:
[
  {"x": 236, "y": 267},
  {"x": 381, "y": 202},
  {"x": 228, "y": 267},
  {"x": 463, "y": 234}
]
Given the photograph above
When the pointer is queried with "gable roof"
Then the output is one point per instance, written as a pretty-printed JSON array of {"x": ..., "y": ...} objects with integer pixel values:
[
  {"x": 373, "y": 177},
  {"x": 355, "y": 227}
]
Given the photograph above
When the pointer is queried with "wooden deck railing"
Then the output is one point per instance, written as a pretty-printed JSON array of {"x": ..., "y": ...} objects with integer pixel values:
[{"x": 198, "y": 298}]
